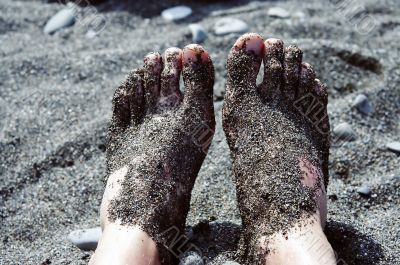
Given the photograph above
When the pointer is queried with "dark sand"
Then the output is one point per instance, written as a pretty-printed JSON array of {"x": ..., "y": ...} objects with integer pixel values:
[{"x": 56, "y": 105}]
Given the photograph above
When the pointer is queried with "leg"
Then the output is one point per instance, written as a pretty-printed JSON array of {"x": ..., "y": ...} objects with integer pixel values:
[
  {"x": 279, "y": 145},
  {"x": 153, "y": 156}
]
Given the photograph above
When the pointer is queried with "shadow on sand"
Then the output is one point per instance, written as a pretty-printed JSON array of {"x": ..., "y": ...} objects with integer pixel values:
[
  {"x": 351, "y": 246},
  {"x": 215, "y": 238}
]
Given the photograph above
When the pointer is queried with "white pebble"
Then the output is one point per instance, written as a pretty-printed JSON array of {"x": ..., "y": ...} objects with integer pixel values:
[
  {"x": 364, "y": 190},
  {"x": 176, "y": 13},
  {"x": 63, "y": 18},
  {"x": 191, "y": 258},
  {"x": 361, "y": 103},
  {"x": 278, "y": 12},
  {"x": 85, "y": 239},
  {"x": 344, "y": 132},
  {"x": 230, "y": 25},
  {"x": 198, "y": 33},
  {"x": 393, "y": 146}
]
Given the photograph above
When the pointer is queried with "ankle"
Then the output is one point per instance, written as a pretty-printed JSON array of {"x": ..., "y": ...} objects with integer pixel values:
[
  {"x": 125, "y": 245},
  {"x": 305, "y": 243}
]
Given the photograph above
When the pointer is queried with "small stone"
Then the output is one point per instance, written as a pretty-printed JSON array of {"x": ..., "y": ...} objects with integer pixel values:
[
  {"x": 85, "y": 239},
  {"x": 176, "y": 13},
  {"x": 278, "y": 12},
  {"x": 62, "y": 19},
  {"x": 333, "y": 197},
  {"x": 230, "y": 25},
  {"x": 364, "y": 190},
  {"x": 231, "y": 263},
  {"x": 91, "y": 34},
  {"x": 299, "y": 15},
  {"x": 344, "y": 132},
  {"x": 198, "y": 33},
  {"x": 191, "y": 258},
  {"x": 393, "y": 146},
  {"x": 219, "y": 91},
  {"x": 361, "y": 103}
]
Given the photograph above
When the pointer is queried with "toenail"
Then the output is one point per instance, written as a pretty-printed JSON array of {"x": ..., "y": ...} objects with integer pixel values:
[
  {"x": 153, "y": 56},
  {"x": 195, "y": 53},
  {"x": 252, "y": 42},
  {"x": 172, "y": 51},
  {"x": 274, "y": 41},
  {"x": 294, "y": 51},
  {"x": 153, "y": 60},
  {"x": 274, "y": 46},
  {"x": 307, "y": 66},
  {"x": 173, "y": 56}
]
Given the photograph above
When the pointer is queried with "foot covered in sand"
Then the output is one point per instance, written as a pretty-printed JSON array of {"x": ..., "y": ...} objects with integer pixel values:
[
  {"x": 157, "y": 142},
  {"x": 277, "y": 134}
]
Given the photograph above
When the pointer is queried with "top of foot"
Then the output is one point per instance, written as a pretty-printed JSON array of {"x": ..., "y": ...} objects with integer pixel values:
[
  {"x": 158, "y": 140},
  {"x": 277, "y": 133}
]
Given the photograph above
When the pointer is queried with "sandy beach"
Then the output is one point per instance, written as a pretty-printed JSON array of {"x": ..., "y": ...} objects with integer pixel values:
[{"x": 55, "y": 108}]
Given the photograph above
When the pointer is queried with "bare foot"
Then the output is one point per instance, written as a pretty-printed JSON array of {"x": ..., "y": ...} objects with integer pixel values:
[
  {"x": 280, "y": 154},
  {"x": 157, "y": 142}
]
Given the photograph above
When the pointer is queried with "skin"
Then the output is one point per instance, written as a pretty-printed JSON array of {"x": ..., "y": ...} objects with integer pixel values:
[
  {"x": 295, "y": 235},
  {"x": 157, "y": 141},
  {"x": 121, "y": 244},
  {"x": 279, "y": 153}
]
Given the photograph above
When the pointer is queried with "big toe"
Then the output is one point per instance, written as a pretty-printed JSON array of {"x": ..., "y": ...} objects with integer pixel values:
[{"x": 243, "y": 65}]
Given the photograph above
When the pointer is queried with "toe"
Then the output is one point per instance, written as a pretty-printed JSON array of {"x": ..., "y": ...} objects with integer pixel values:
[
  {"x": 322, "y": 125},
  {"x": 243, "y": 65},
  {"x": 198, "y": 77},
  {"x": 128, "y": 102},
  {"x": 321, "y": 115},
  {"x": 121, "y": 116},
  {"x": 306, "y": 101},
  {"x": 307, "y": 80},
  {"x": 292, "y": 66},
  {"x": 136, "y": 99},
  {"x": 170, "y": 94},
  {"x": 152, "y": 76},
  {"x": 320, "y": 91},
  {"x": 273, "y": 69}
]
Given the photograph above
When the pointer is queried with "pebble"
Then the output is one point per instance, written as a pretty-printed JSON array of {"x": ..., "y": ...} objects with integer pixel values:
[
  {"x": 278, "y": 12},
  {"x": 344, "y": 131},
  {"x": 231, "y": 263},
  {"x": 191, "y": 258},
  {"x": 364, "y": 190},
  {"x": 361, "y": 103},
  {"x": 299, "y": 15},
  {"x": 176, "y": 13},
  {"x": 62, "y": 19},
  {"x": 198, "y": 33},
  {"x": 393, "y": 146},
  {"x": 91, "y": 34},
  {"x": 230, "y": 25},
  {"x": 85, "y": 239}
]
